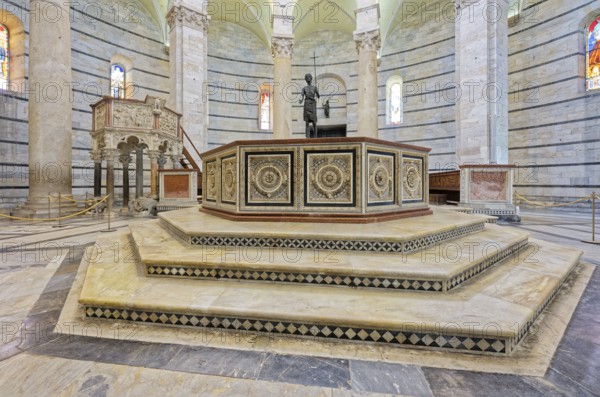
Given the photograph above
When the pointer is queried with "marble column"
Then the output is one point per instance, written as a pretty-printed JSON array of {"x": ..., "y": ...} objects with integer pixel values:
[
  {"x": 368, "y": 42},
  {"x": 110, "y": 155},
  {"x": 282, "y": 72},
  {"x": 49, "y": 105},
  {"x": 188, "y": 22},
  {"x": 97, "y": 159},
  {"x": 153, "y": 155},
  {"x": 125, "y": 160},
  {"x": 139, "y": 172},
  {"x": 481, "y": 59}
]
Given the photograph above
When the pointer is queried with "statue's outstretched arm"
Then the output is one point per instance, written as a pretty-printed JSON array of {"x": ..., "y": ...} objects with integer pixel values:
[{"x": 301, "y": 96}]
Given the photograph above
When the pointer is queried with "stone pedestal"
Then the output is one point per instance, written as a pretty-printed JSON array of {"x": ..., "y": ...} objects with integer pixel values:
[
  {"x": 487, "y": 189},
  {"x": 49, "y": 108}
]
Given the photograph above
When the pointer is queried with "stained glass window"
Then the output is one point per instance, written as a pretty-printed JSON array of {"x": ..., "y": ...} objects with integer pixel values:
[
  {"x": 593, "y": 55},
  {"x": 396, "y": 103},
  {"x": 265, "y": 109},
  {"x": 4, "y": 54},
  {"x": 117, "y": 81}
]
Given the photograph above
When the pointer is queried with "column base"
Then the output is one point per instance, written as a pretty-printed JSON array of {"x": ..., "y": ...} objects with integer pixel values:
[{"x": 37, "y": 207}]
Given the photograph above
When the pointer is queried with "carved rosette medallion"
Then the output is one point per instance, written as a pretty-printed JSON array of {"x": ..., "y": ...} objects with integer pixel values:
[
  {"x": 229, "y": 179},
  {"x": 330, "y": 178},
  {"x": 269, "y": 179},
  {"x": 412, "y": 171},
  {"x": 381, "y": 178},
  {"x": 211, "y": 181}
]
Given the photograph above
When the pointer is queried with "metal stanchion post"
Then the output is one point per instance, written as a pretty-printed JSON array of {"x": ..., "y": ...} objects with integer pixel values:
[
  {"x": 59, "y": 211},
  {"x": 593, "y": 240},
  {"x": 109, "y": 209},
  {"x": 49, "y": 213}
]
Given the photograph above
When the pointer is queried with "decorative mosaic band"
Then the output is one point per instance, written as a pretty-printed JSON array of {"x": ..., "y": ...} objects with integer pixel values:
[
  {"x": 345, "y": 280},
  {"x": 321, "y": 244},
  {"x": 483, "y": 265},
  {"x": 408, "y": 338}
]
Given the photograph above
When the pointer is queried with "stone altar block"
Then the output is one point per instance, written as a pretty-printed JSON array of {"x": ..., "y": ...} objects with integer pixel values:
[
  {"x": 178, "y": 186},
  {"x": 487, "y": 189},
  {"x": 319, "y": 180}
]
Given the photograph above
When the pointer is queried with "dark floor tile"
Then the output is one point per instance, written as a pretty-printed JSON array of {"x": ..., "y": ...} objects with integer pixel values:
[
  {"x": 309, "y": 371},
  {"x": 223, "y": 362},
  {"x": 153, "y": 355},
  {"x": 445, "y": 383},
  {"x": 555, "y": 384},
  {"x": 578, "y": 360},
  {"x": 38, "y": 329},
  {"x": 49, "y": 301},
  {"x": 74, "y": 348},
  {"x": 60, "y": 282},
  {"x": 380, "y": 377},
  {"x": 9, "y": 349}
]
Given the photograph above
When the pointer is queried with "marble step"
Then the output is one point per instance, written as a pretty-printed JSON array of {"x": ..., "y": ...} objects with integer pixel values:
[
  {"x": 489, "y": 314},
  {"x": 437, "y": 268},
  {"x": 402, "y": 235}
]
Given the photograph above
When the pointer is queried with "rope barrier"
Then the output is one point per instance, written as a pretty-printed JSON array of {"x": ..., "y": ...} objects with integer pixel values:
[
  {"x": 586, "y": 198},
  {"x": 55, "y": 219},
  {"x": 86, "y": 201}
]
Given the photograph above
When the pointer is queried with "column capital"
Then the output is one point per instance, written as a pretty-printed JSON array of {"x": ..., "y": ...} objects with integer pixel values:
[
  {"x": 282, "y": 47},
  {"x": 125, "y": 159},
  {"x": 96, "y": 156},
  {"x": 110, "y": 154},
  {"x": 184, "y": 16},
  {"x": 370, "y": 40},
  {"x": 154, "y": 154}
]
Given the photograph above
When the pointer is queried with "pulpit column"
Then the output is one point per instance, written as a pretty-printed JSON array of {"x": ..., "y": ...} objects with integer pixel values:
[
  {"x": 97, "y": 159},
  {"x": 110, "y": 155},
  {"x": 153, "y": 154},
  {"x": 125, "y": 160},
  {"x": 139, "y": 171}
]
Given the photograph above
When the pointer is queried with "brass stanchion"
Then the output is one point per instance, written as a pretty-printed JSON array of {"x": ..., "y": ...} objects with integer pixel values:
[
  {"x": 59, "y": 211},
  {"x": 109, "y": 209},
  {"x": 593, "y": 240},
  {"x": 49, "y": 213}
]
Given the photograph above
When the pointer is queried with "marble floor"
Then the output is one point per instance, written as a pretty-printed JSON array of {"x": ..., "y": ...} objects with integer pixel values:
[{"x": 38, "y": 265}]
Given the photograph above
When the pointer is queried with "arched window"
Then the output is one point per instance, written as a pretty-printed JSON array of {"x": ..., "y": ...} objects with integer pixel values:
[
  {"x": 4, "y": 57},
  {"x": 592, "y": 70},
  {"x": 264, "y": 109},
  {"x": 394, "y": 101},
  {"x": 117, "y": 81}
]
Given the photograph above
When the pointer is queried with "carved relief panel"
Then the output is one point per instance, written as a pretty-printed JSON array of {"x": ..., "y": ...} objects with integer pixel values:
[
  {"x": 130, "y": 115},
  {"x": 412, "y": 179},
  {"x": 381, "y": 178},
  {"x": 269, "y": 178},
  {"x": 211, "y": 181},
  {"x": 229, "y": 179},
  {"x": 329, "y": 178}
]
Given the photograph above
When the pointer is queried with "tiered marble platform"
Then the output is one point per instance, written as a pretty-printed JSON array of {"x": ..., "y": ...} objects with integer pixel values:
[{"x": 448, "y": 281}]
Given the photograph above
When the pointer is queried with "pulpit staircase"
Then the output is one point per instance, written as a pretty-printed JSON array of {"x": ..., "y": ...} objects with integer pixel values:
[{"x": 188, "y": 162}]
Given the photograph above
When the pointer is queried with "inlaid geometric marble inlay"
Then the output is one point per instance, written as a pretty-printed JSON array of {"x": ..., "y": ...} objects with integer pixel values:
[
  {"x": 269, "y": 178},
  {"x": 330, "y": 178},
  {"x": 211, "y": 180},
  {"x": 412, "y": 184},
  {"x": 229, "y": 179},
  {"x": 381, "y": 178}
]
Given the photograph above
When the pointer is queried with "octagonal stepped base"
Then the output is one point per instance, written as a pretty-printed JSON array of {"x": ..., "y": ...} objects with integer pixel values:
[
  {"x": 489, "y": 314},
  {"x": 438, "y": 268},
  {"x": 401, "y": 235}
]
